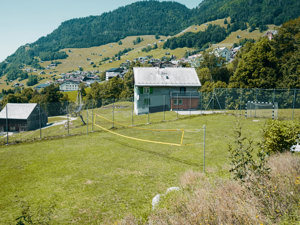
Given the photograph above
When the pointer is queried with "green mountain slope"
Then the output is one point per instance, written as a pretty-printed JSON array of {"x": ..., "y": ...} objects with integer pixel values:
[
  {"x": 254, "y": 12},
  {"x": 144, "y": 18}
]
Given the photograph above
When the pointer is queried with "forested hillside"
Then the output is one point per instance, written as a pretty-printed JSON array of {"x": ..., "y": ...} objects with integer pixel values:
[
  {"x": 253, "y": 12},
  {"x": 263, "y": 64},
  {"x": 148, "y": 17}
]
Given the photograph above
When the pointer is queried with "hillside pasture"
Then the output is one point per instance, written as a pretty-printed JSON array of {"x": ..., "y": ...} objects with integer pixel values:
[{"x": 84, "y": 56}]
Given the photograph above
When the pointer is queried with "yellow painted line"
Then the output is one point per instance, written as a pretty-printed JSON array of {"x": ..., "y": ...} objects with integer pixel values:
[
  {"x": 138, "y": 139},
  {"x": 181, "y": 142}
]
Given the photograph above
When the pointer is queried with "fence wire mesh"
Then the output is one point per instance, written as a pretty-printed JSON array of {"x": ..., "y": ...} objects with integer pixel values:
[{"x": 60, "y": 119}]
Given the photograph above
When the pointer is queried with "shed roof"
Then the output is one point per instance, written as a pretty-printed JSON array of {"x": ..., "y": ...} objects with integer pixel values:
[
  {"x": 19, "y": 111},
  {"x": 169, "y": 77}
]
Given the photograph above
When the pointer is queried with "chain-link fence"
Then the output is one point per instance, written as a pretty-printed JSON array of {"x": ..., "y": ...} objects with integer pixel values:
[{"x": 37, "y": 121}]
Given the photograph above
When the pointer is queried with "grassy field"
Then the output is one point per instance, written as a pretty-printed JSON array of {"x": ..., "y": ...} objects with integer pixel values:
[
  {"x": 202, "y": 27},
  {"x": 101, "y": 177},
  {"x": 84, "y": 56},
  {"x": 238, "y": 35}
]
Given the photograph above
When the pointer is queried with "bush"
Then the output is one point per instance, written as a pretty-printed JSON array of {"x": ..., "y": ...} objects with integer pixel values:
[
  {"x": 32, "y": 80},
  {"x": 279, "y": 136}
]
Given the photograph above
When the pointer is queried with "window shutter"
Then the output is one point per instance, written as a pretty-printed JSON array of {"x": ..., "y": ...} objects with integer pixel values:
[
  {"x": 141, "y": 90},
  {"x": 151, "y": 90}
]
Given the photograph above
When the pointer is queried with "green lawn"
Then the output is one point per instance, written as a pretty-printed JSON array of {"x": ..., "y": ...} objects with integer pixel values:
[{"x": 101, "y": 177}]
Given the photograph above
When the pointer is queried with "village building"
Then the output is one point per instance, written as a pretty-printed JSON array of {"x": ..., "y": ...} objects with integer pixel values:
[
  {"x": 159, "y": 89},
  {"x": 270, "y": 34},
  {"x": 69, "y": 85},
  {"x": 22, "y": 117},
  {"x": 223, "y": 52},
  {"x": 114, "y": 72},
  {"x": 88, "y": 80},
  {"x": 42, "y": 86}
]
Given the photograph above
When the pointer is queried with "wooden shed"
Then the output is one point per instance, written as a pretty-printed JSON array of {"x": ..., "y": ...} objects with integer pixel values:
[{"x": 22, "y": 117}]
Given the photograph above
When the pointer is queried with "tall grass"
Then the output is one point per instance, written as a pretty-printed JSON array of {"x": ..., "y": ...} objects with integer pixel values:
[{"x": 203, "y": 200}]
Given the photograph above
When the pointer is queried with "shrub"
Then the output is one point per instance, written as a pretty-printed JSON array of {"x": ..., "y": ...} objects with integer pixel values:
[
  {"x": 272, "y": 199},
  {"x": 279, "y": 136}
]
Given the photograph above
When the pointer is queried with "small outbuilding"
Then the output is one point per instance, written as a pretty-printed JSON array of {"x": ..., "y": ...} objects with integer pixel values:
[
  {"x": 161, "y": 89},
  {"x": 22, "y": 117}
]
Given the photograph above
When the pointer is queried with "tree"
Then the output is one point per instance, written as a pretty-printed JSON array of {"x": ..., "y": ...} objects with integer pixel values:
[
  {"x": 32, "y": 80},
  {"x": 102, "y": 76},
  {"x": 127, "y": 92},
  {"x": 82, "y": 89},
  {"x": 257, "y": 68}
]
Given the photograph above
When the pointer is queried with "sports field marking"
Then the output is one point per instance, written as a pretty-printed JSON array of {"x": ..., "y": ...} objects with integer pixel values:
[
  {"x": 146, "y": 140},
  {"x": 138, "y": 139}
]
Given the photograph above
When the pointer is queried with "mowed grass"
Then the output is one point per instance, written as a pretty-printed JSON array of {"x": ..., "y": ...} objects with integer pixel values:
[
  {"x": 238, "y": 35},
  {"x": 203, "y": 27},
  {"x": 101, "y": 177}
]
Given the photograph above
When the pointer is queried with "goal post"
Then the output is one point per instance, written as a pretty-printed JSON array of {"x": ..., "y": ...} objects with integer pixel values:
[{"x": 261, "y": 110}]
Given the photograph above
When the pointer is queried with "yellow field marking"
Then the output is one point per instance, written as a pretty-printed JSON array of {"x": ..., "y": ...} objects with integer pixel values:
[
  {"x": 138, "y": 139},
  {"x": 182, "y": 137}
]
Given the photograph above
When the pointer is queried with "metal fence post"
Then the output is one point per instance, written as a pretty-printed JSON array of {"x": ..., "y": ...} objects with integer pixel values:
[
  {"x": 204, "y": 134},
  {"x": 241, "y": 98},
  {"x": 148, "y": 108},
  {"x": 164, "y": 108},
  {"x": 92, "y": 116},
  {"x": 6, "y": 123},
  {"x": 87, "y": 120},
  {"x": 132, "y": 112},
  {"x": 177, "y": 104},
  {"x": 113, "y": 114},
  {"x": 190, "y": 103},
  {"x": 39, "y": 106},
  {"x": 68, "y": 121},
  {"x": 226, "y": 97},
  {"x": 213, "y": 98},
  {"x": 294, "y": 102}
]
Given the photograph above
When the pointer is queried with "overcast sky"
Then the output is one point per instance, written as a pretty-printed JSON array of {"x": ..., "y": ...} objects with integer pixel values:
[{"x": 24, "y": 21}]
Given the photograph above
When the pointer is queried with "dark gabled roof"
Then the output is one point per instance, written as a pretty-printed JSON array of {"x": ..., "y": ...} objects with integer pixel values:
[
  {"x": 115, "y": 70},
  {"x": 19, "y": 111}
]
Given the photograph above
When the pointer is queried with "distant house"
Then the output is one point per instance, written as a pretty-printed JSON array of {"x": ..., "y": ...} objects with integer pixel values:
[
  {"x": 114, "y": 72},
  {"x": 91, "y": 79},
  {"x": 270, "y": 34},
  {"x": 41, "y": 86},
  {"x": 69, "y": 85},
  {"x": 22, "y": 117},
  {"x": 223, "y": 52},
  {"x": 158, "y": 89}
]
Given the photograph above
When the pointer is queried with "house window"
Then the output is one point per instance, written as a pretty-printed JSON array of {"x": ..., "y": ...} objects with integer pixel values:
[
  {"x": 146, "y": 101},
  {"x": 146, "y": 90},
  {"x": 182, "y": 89},
  {"x": 179, "y": 102}
]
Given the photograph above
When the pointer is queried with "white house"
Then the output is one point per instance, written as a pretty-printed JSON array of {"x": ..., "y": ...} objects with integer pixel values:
[
  {"x": 161, "y": 89},
  {"x": 69, "y": 85},
  {"x": 223, "y": 52}
]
